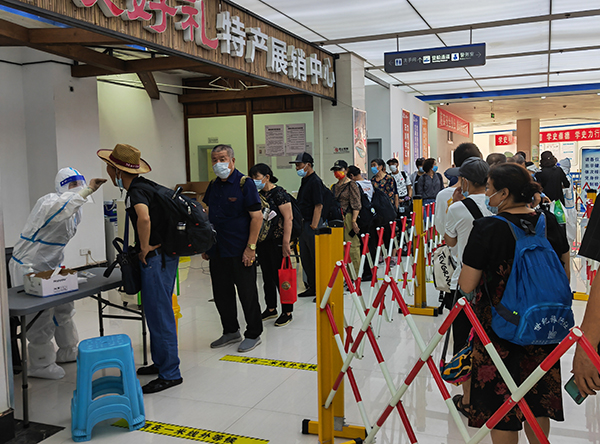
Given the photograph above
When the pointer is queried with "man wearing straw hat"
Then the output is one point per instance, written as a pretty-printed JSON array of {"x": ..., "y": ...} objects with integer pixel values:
[{"x": 158, "y": 271}]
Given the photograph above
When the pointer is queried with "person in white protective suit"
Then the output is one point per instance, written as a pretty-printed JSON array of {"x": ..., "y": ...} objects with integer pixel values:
[
  {"x": 570, "y": 210},
  {"x": 50, "y": 225}
]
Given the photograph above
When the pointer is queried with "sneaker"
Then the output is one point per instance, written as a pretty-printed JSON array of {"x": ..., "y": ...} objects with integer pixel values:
[
  {"x": 158, "y": 385},
  {"x": 283, "y": 320},
  {"x": 249, "y": 344},
  {"x": 148, "y": 370},
  {"x": 268, "y": 314},
  {"x": 307, "y": 293},
  {"x": 226, "y": 339}
]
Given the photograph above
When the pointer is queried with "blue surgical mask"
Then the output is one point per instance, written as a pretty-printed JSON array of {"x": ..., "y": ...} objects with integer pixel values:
[
  {"x": 222, "y": 170},
  {"x": 259, "y": 184},
  {"x": 421, "y": 170},
  {"x": 301, "y": 173},
  {"x": 493, "y": 210},
  {"x": 435, "y": 168},
  {"x": 374, "y": 170},
  {"x": 465, "y": 192}
]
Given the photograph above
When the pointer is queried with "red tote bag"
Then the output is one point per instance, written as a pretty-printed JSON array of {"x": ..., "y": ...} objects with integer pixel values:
[{"x": 287, "y": 282}]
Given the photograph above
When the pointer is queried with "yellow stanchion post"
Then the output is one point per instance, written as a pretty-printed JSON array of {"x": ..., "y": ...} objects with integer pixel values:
[
  {"x": 420, "y": 304},
  {"x": 329, "y": 249}
]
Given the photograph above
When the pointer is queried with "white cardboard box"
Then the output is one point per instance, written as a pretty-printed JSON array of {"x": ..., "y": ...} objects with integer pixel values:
[{"x": 43, "y": 284}]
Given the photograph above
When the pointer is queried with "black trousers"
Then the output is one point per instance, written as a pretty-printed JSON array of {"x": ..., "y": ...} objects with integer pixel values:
[
  {"x": 227, "y": 274},
  {"x": 307, "y": 254},
  {"x": 270, "y": 258},
  {"x": 374, "y": 239},
  {"x": 461, "y": 327}
]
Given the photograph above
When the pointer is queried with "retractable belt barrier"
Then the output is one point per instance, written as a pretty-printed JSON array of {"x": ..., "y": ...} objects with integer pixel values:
[{"x": 331, "y": 382}]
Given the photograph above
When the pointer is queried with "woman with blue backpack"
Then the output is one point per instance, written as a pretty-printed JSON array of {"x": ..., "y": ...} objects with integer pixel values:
[
  {"x": 495, "y": 274},
  {"x": 272, "y": 250}
]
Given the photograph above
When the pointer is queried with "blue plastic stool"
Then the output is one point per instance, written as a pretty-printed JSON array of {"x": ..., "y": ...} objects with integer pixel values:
[{"x": 124, "y": 394}]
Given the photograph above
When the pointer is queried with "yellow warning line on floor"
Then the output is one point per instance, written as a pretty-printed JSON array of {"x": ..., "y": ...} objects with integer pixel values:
[
  {"x": 208, "y": 436},
  {"x": 270, "y": 362}
]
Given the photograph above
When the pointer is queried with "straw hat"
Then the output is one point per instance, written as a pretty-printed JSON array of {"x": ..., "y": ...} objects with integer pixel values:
[{"x": 125, "y": 158}]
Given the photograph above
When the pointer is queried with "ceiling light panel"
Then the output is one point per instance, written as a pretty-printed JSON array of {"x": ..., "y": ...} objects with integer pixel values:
[
  {"x": 449, "y": 88},
  {"x": 576, "y": 32},
  {"x": 559, "y": 6},
  {"x": 442, "y": 13},
  {"x": 575, "y": 78},
  {"x": 341, "y": 18},
  {"x": 575, "y": 60},
  {"x": 513, "y": 65},
  {"x": 513, "y": 39},
  {"x": 514, "y": 83}
]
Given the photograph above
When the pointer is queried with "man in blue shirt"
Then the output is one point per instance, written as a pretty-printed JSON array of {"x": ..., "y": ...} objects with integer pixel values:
[{"x": 234, "y": 211}]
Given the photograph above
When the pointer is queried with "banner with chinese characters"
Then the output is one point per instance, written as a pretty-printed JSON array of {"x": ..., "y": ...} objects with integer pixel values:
[
  {"x": 360, "y": 140},
  {"x": 570, "y": 135},
  {"x": 450, "y": 122},
  {"x": 504, "y": 139},
  {"x": 205, "y": 30},
  {"x": 425, "y": 130},
  {"x": 406, "y": 136},
  {"x": 590, "y": 168},
  {"x": 416, "y": 136}
]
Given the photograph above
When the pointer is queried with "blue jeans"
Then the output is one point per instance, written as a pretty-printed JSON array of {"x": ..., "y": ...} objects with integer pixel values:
[{"x": 157, "y": 298}]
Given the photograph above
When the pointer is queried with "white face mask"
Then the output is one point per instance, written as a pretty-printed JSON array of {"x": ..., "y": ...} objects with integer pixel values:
[
  {"x": 394, "y": 168},
  {"x": 222, "y": 170}
]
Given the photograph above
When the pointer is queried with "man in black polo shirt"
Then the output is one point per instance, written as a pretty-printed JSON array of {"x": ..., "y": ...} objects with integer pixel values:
[
  {"x": 310, "y": 202},
  {"x": 158, "y": 271},
  {"x": 234, "y": 212}
]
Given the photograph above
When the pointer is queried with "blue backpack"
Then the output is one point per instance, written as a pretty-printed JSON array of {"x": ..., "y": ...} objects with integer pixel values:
[{"x": 536, "y": 305}]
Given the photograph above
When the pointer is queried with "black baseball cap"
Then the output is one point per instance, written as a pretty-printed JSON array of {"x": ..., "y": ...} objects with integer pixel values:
[
  {"x": 338, "y": 165},
  {"x": 304, "y": 158},
  {"x": 474, "y": 169}
]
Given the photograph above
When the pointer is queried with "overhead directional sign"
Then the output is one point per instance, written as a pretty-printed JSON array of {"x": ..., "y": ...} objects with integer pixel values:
[{"x": 435, "y": 58}]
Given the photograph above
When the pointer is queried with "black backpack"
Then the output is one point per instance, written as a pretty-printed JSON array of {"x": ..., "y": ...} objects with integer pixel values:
[
  {"x": 332, "y": 210},
  {"x": 384, "y": 210},
  {"x": 297, "y": 221},
  {"x": 366, "y": 213},
  {"x": 188, "y": 231}
]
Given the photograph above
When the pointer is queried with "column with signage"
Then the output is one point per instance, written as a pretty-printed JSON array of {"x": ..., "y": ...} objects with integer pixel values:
[{"x": 528, "y": 138}]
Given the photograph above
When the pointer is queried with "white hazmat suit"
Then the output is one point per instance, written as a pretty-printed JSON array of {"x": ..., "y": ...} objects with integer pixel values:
[
  {"x": 50, "y": 225},
  {"x": 570, "y": 210}
]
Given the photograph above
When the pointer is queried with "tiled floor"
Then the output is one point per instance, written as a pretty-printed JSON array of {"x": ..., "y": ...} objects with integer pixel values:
[{"x": 270, "y": 403}]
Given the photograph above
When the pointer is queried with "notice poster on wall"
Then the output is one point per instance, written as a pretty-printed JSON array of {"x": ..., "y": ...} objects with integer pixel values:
[
  {"x": 568, "y": 150},
  {"x": 360, "y": 139},
  {"x": 274, "y": 140},
  {"x": 590, "y": 168},
  {"x": 425, "y": 139},
  {"x": 406, "y": 136},
  {"x": 261, "y": 155},
  {"x": 295, "y": 138},
  {"x": 416, "y": 136}
]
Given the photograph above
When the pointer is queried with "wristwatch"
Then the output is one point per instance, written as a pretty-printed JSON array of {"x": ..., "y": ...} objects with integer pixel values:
[{"x": 252, "y": 246}]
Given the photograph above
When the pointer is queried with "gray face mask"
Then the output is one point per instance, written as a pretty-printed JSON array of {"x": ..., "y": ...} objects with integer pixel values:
[{"x": 222, "y": 170}]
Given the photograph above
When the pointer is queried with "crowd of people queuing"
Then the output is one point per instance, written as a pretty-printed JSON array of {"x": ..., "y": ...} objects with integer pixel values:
[{"x": 482, "y": 247}]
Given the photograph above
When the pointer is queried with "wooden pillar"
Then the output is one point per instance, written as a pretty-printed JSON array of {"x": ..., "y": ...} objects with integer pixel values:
[
  {"x": 528, "y": 138},
  {"x": 250, "y": 134}
]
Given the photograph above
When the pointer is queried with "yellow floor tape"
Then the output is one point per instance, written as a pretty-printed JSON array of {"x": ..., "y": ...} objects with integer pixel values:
[
  {"x": 208, "y": 436},
  {"x": 270, "y": 362}
]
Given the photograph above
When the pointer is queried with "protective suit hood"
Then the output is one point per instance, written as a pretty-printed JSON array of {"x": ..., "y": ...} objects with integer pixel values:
[{"x": 66, "y": 177}]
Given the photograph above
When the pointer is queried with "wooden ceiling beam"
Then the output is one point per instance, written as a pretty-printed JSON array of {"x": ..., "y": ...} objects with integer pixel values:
[
  {"x": 254, "y": 93},
  {"x": 5, "y": 41},
  {"x": 147, "y": 79},
  {"x": 13, "y": 31},
  {"x": 136, "y": 66},
  {"x": 70, "y": 36}
]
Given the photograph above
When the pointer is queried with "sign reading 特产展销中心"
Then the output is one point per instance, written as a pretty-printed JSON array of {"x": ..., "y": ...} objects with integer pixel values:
[
  {"x": 450, "y": 122},
  {"x": 214, "y": 31},
  {"x": 435, "y": 58}
]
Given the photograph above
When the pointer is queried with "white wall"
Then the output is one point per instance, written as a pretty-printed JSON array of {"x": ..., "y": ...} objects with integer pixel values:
[
  {"x": 45, "y": 127},
  {"x": 384, "y": 119},
  {"x": 155, "y": 127}
]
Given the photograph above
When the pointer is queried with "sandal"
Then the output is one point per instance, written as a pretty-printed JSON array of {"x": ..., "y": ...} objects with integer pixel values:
[{"x": 465, "y": 409}]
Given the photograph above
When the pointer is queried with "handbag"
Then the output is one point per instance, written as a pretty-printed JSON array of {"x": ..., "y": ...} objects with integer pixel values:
[
  {"x": 287, "y": 282},
  {"x": 443, "y": 268},
  {"x": 128, "y": 261},
  {"x": 458, "y": 369}
]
